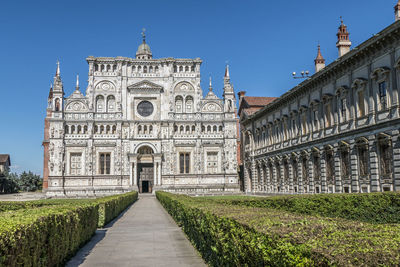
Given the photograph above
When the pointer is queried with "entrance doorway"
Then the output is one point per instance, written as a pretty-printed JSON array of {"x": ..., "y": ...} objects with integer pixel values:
[
  {"x": 145, "y": 177},
  {"x": 145, "y": 187}
]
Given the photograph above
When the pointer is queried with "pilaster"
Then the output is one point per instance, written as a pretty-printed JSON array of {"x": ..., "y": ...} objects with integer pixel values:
[
  {"x": 373, "y": 163},
  {"x": 355, "y": 184}
]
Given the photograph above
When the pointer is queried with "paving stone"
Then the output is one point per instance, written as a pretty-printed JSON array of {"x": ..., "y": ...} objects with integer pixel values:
[{"x": 145, "y": 235}]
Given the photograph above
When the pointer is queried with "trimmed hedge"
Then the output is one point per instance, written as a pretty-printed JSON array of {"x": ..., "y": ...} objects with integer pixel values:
[
  {"x": 371, "y": 208},
  {"x": 110, "y": 207},
  {"x": 45, "y": 236},
  {"x": 236, "y": 235},
  {"x": 48, "y": 232}
]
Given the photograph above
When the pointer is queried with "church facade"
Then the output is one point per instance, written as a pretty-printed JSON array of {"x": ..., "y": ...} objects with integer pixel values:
[
  {"x": 336, "y": 132},
  {"x": 142, "y": 125}
]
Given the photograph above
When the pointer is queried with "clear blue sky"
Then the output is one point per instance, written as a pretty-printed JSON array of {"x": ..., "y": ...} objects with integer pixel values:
[{"x": 264, "y": 42}]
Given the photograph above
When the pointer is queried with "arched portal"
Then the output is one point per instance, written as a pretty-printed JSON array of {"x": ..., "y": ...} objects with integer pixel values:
[{"x": 145, "y": 169}]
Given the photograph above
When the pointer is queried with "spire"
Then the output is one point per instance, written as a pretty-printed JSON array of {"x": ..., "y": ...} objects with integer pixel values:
[
  {"x": 57, "y": 83},
  {"x": 77, "y": 82},
  {"x": 397, "y": 11},
  {"x": 343, "y": 44},
  {"x": 58, "y": 68},
  {"x": 227, "y": 72},
  {"x": 319, "y": 60},
  {"x": 51, "y": 92},
  {"x": 210, "y": 87}
]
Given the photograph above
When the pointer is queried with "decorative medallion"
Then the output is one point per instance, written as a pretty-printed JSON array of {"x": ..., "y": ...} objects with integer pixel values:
[{"x": 145, "y": 108}]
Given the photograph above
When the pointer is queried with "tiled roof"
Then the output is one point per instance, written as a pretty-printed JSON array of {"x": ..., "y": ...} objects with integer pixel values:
[
  {"x": 258, "y": 100},
  {"x": 4, "y": 158},
  {"x": 252, "y": 110}
]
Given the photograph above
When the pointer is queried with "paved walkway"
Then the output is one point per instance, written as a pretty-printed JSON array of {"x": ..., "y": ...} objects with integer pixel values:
[{"x": 145, "y": 235}]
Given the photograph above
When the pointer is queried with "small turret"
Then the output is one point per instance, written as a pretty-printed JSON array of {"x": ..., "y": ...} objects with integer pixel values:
[
  {"x": 229, "y": 94},
  {"x": 144, "y": 51},
  {"x": 58, "y": 91},
  {"x": 319, "y": 60},
  {"x": 343, "y": 44}
]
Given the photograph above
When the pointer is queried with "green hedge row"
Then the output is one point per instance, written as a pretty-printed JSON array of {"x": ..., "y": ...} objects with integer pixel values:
[
  {"x": 45, "y": 236},
  {"x": 110, "y": 207},
  {"x": 48, "y": 232},
  {"x": 371, "y": 208},
  {"x": 237, "y": 235}
]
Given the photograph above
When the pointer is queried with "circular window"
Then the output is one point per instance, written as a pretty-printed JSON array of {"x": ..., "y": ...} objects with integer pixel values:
[{"x": 145, "y": 108}]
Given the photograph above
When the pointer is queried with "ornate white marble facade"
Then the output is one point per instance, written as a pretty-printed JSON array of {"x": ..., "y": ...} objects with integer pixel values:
[{"x": 140, "y": 112}]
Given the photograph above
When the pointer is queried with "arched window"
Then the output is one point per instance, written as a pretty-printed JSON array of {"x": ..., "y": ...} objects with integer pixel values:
[
  {"x": 175, "y": 69},
  {"x": 66, "y": 129},
  {"x": 85, "y": 129},
  {"x": 145, "y": 129},
  {"x": 181, "y": 129},
  {"x": 96, "y": 129},
  {"x": 57, "y": 105},
  {"x": 99, "y": 103},
  {"x": 215, "y": 129},
  {"x": 79, "y": 129},
  {"x": 73, "y": 129},
  {"x": 114, "y": 67},
  {"x": 220, "y": 128},
  {"x": 150, "y": 129},
  {"x": 189, "y": 104},
  {"x": 140, "y": 129},
  {"x": 193, "y": 129},
  {"x": 108, "y": 129},
  {"x": 108, "y": 67},
  {"x": 110, "y": 103},
  {"x": 180, "y": 69},
  {"x": 156, "y": 69},
  {"x": 178, "y": 104},
  {"x": 114, "y": 129},
  {"x": 203, "y": 128},
  {"x": 145, "y": 69},
  {"x": 102, "y": 67},
  {"x": 187, "y": 129},
  {"x": 208, "y": 129},
  {"x": 175, "y": 128},
  {"x": 96, "y": 67},
  {"x": 187, "y": 68}
]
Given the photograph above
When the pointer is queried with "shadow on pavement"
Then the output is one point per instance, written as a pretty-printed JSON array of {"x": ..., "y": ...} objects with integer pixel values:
[{"x": 81, "y": 255}]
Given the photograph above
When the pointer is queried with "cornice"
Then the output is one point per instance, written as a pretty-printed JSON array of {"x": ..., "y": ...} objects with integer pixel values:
[{"x": 367, "y": 49}]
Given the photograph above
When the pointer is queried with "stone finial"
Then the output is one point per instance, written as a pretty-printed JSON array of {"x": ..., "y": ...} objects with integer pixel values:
[
  {"x": 210, "y": 86},
  {"x": 77, "y": 82}
]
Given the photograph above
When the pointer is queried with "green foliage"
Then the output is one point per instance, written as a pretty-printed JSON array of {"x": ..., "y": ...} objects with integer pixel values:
[
  {"x": 12, "y": 183},
  {"x": 371, "y": 208},
  {"x": 228, "y": 234},
  {"x": 48, "y": 232},
  {"x": 8, "y": 183},
  {"x": 45, "y": 236},
  {"x": 29, "y": 182},
  {"x": 110, "y": 207}
]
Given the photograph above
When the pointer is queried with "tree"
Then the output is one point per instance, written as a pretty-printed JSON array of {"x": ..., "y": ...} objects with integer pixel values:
[
  {"x": 9, "y": 183},
  {"x": 29, "y": 182}
]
